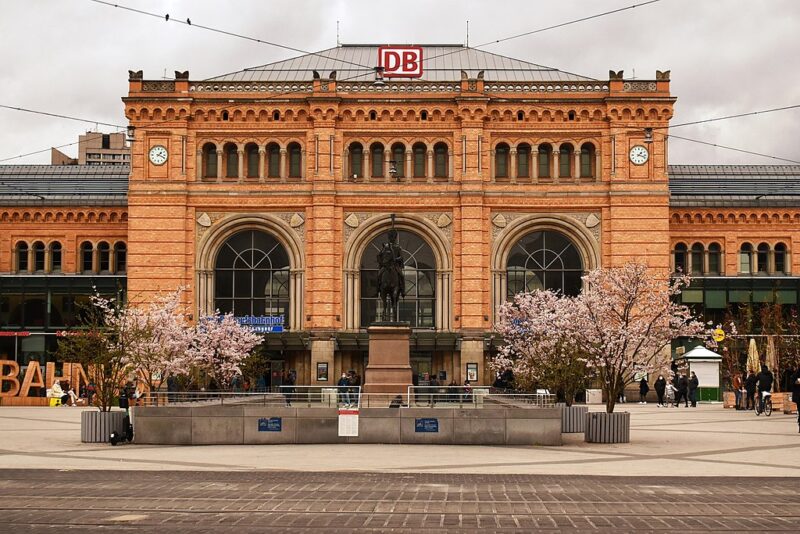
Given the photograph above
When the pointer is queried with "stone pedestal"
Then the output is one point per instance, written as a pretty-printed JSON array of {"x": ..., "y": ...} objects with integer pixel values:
[{"x": 389, "y": 367}]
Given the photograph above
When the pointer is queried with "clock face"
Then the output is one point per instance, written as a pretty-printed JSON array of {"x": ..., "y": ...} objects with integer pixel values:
[
  {"x": 639, "y": 155},
  {"x": 158, "y": 155}
]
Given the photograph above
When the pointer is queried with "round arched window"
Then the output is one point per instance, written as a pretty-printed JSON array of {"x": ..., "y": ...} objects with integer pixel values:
[
  {"x": 251, "y": 276},
  {"x": 544, "y": 260},
  {"x": 419, "y": 304}
]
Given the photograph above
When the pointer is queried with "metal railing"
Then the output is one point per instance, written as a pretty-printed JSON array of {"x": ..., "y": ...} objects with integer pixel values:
[{"x": 475, "y": 397}]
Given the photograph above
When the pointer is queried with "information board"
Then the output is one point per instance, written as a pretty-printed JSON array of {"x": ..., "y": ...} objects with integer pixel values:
[
  {"x": 426, "y": 424},
  {"x": 348, "y": 423},
  {"x": 270, "y": 424}
]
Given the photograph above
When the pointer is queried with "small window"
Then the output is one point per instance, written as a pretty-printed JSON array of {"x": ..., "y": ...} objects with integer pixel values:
[
  {"x": 419, "y": 151},
  {"x": 86, "y": 257},
  {"x": 21, "y": 252},
  {"x": 252, "y": 160},
  {"x": 780, "y": 259},
  {"x": 104, "y": 256},
  {"x": 120, "y": 257},
  {"x": 714, "y": 259},
  {"x": 356, "y": 160},
  {"x": 523, "y": 160},
  {"x": 276, "y": 115},
  {"x": 295, "y": 160},
  {"x": 273, "y": 160},
  {"x": 38, "y": 257},
  {"x": 440, "y": 163},
  {"x": 210, "y": 160},
  {"x": 746, "y": 258},
  {"x": 520, "y": 116},
  {"x": 587, "y": 160},
  {"x": 106, "y": 141},
  {"x": 697, "y": 259},
  {"x": 545, "y": 151},
  {"x": 501, "y": 161},
  {"x": 373, "y": 116},
  {"x": 423, "y": 115},
  {"x": 680, "y": 258},
  {"x": 571, "y": 115},
  {"x": 376, "y": 160},
  {"x": 224, "y": 115},
  {"x": 565, "y": 161},
  {"x": 762, "y": 259},
  {"x": 232, "y": 161},
  {"x": 55, "y": 257},
  {"x": 399, "y": 158}
]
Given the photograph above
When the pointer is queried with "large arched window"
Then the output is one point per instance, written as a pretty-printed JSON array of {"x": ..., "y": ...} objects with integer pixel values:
[
  {"x": 273, "y": 160},
  {"x": 419, "y": 150},
  {"x": 545, "y": 155},
  {"x": 251, "y": 276},
  {"x": 86, "y": 257},
  {"x": 120, "y": 257},
  {"x": 679, "y": 256},
  {"x": 762, "y": 259},
  {"x": 501, "y": 161},
  {"x": 376, "y": 160},
  {"x": 565, "y": 161},
  {"x": 231, "y": 161},
  {"x": 356, "y": 161},
  {"x": 746, "y": 258},
  {"x": 440, "y": 163},
  {"x": 544, "y": 260},
  {"x": 21, "y": 253},
  {"x": 780, "y": 259},
  {"x": 104, "y": 257},
  {"x": 714, "y": 259},
  {"x": 252, "y": 160},
  {"x": 523, "y": 160},
  {"x": 399, "y": 158},
  {"x": 419, "y": 305},
  {"x": 210, "y": 160},
  {"x": 587, "y": 160},
  {"x": 697, "y": 259},
  {"x": 295, "y": 160},
  {"x": 38, "y": 257},
  {"x": 55, "y": 257}
]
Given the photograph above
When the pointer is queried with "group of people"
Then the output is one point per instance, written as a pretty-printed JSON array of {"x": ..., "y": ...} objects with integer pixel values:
[
  {"x": 681, "y": 388},
  {"x": 744, "y": 390},
  {"x": 348, "y": 388},
  {"x": 62, "y": 390}
]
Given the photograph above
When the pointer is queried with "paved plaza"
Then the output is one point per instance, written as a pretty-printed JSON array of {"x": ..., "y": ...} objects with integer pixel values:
[{"x": 702, "y": 469}]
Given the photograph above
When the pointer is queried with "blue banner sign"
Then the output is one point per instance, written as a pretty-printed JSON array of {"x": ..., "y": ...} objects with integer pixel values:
[
  {"x": 263, "y": 324},
  {"x": 426, "y": 424},
  {"x": 269, "y": 424}
]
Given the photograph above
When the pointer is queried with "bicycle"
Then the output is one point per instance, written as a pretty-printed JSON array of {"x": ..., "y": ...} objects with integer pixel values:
[{"x": 767, "y": 404}]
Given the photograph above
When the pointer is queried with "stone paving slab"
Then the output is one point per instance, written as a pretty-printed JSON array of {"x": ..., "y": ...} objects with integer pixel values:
[{"x": 179, "y": 501}]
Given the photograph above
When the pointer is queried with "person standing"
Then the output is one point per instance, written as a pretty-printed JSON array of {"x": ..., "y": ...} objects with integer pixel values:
[
  {"x": 750, "y": 389},
  {"x": 661, "y": 387},
  {"x": 683, "y": 391},
  {"x": 796, "y": 393},
  {"x": 343, "y": 385},
  {"x": 765, "y": 380},
  {"x": 737, "y": 389},
  {"x": 644, "y": 389},
  {"x": 694, "y": 383}
]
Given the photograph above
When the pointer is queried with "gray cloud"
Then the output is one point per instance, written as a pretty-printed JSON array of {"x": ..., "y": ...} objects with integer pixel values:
[{"x": 726, "y": 56}]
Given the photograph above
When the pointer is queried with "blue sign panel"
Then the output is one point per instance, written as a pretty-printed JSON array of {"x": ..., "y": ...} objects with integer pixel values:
[
  {"x": 269, "y": 424},
  {"x": 426, "y": 424},
  {"x": 263, "y": 324}
]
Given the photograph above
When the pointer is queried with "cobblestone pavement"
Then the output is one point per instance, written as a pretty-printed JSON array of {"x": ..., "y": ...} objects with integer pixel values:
[{"x": 197, "y": 502}]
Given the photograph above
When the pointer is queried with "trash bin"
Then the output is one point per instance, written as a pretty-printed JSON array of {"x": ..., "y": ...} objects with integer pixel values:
[{"x": 594, "y": 396}]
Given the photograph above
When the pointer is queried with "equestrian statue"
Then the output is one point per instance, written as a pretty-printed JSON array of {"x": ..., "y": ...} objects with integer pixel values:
[{"x": 391, "y": 281}]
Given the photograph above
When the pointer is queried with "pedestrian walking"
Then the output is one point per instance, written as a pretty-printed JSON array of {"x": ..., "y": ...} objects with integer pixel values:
[
  {"x": 750, "y": 389},
  {"x": 694, "y": 383},
  {"x": 671, "y": 394},
  {"x": 644, "y": 389},
  {"x": 737, "y": 389},
  {"x": 661, "y": 388},
  {"x": 796, "y": 393},
  {"x": 683, "y": 391}
]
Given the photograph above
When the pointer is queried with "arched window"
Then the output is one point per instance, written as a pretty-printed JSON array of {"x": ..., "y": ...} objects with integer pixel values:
[
  {"x": 780, "y": 259},
  {"x": 418, "y": 306},
  {"x": 545, "y": 155},
  {"x": 523, "y": 160},
  {"x": 399, "y": 158},
  {"x": 104, "y": 257},
  {"x": 373, "y": 115},
  {"x": 356, "y": 160},
  {"x": 86, "y": 257},
  {"x": 440, "y": 163},
  {"x": 251, "y": 276},
  {"x": 423, "y": 115},
  {"x": 376, "y": 160},
  {"x": 273, "y": 160},
  {"x": 746, "y": 258},
  {"x": 419, "y": 150},
  {"x": 55, "y": 257},
  {"x": 544, "y": 260},
  {"x": 120, "y": 257},
  {"x": 252, "y": 160},
  {"x": 21, "y": 253},
  {"x": 762, "y": 259},
  {"x": 520, "y": 115},
  {"x": 231, "y": 161},
  {"x": 565, "y": 161},
  {"x": 679, "y": 255},
  {"x": 501, "y": 160},
  {"x": 210, "y": 160},
  {"x": 587, "y": 160},
  {"x": 697, "y": 259},
  {"x": 295, "y": 160},
  {"x": 276, "y": 115},
  {"x": 38, "y": 257},
  {"x": 714, "y": 259}
]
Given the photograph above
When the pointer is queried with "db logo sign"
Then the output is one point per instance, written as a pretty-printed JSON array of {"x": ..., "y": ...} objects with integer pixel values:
[{"x": 400, "y": 61}]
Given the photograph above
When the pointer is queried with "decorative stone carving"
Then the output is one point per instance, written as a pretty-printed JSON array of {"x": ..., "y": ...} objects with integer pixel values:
[
  {"x": 296, "y": 220},
  {"x": 213, "y": 218},
  {"x": 585, "y": 218},
  {"x": 499, "y": 220},
  {"x": 204, "y": 220},
  {"x": 639, "y": 87},
  {"x": 592, "y": 220},
  {"x": 443, "y": 221},
  {"x": 352, "y": 220}
]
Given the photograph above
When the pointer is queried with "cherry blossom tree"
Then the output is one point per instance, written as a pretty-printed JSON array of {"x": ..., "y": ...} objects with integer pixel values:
[
  {"x": 625, "y": 319},
  {"x": 540, "y": 343},
  {"x": 219, "y": 344}
]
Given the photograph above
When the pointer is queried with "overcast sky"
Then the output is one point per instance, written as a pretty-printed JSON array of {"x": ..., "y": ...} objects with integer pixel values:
[{"x": 726, "y": 56}]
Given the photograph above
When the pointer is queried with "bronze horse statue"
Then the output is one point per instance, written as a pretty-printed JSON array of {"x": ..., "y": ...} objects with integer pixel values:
[{"x": 391, "y": 281}]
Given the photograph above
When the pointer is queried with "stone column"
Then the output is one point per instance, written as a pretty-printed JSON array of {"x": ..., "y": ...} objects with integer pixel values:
[
  {"x": 303, "y": 163},
  {"x": 219, "y": 165},
  {"x": 598, "y": 165},
  {"x": 112, "y": 259},
  {"x": 387, "y": 156},
  {"x": 492, "y": 160},
  {"x": 449, "y": 164},
  {"x": 47, "y": 259},
  {"x": 262, "y": 163},
  {"x": 283, "y": 165},
  {"x": 95, "y": 260},
  {"x": 408, "y": 163},
  {"x": 512, "y": 171},
  {"x": 576, "y": 171},
  {"x": 240, "y": 156},
  {"x": 556, "y": 167},
  {"x": 366, "y": 168},
  {"x": 199, "y": 174},
  {"x": 534, "y": 171},
  {"x": 429, "y": 167},
  {"x": 345, "y": 165}
]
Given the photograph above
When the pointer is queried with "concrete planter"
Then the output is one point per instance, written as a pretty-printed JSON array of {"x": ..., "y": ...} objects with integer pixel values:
[
  {"x": 573, "y": 418},
  {"x": 97, "y": 426},
  {"x": 602, "y": 427}
]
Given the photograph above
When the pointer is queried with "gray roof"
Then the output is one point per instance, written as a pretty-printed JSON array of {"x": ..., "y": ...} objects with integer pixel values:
[
  {"x": 440, "y": 63},
  {"x": 64, "y": 185},
  {"x": 734, "y": 185}
]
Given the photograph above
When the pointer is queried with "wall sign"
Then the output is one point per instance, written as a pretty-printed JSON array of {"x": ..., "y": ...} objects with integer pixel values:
[
  {"x": 348, "y": 423},
  {"x": 263, "y": 324},
  {"x": 270, "y": 424},
  {"x": 426, "y": 424},
  {"x": 400, "y": 61}
]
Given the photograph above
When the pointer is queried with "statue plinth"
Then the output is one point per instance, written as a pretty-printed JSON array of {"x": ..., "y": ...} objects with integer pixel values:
[{"x": 389, "y": 367}]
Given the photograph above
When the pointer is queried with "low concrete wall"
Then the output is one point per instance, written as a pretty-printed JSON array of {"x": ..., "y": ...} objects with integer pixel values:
[{"x": 248, "y": 425}]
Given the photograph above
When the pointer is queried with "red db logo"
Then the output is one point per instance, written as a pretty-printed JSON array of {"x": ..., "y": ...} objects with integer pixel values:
[{"x": 400, "y": 61}]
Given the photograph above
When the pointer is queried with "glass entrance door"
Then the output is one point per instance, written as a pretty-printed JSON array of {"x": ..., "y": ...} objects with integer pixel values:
[{"x": 421, "y": 364}]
